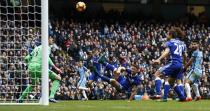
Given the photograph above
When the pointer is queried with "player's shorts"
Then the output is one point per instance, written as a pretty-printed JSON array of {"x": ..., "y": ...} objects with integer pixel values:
[
  {"x": 82, "y": 83},
  {"x": 194, "y": 75},
  {"x": 171, "y": 70},
  {"x": 136, "y": 80},
  {"x": 35, "y": 72},
  {"x": 94, "y": 76},
  {"x": 124, "y": 83}
]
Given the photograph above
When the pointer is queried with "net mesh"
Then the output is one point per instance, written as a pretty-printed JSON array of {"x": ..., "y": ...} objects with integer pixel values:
[{"x": 20, "y": 32}]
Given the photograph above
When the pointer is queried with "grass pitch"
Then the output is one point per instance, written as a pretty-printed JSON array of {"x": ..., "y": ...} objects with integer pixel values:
[{"x": 115, "y": 105}]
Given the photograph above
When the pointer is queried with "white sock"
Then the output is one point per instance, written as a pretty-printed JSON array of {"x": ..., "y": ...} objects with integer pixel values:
[
  {"x": 187, "y": 89},
  {"x": 84, "y": 94},
  {"x": 195, "y": 89}
]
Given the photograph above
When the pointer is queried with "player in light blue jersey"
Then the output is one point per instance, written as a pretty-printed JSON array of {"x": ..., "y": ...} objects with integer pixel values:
[
  {"x": 175, "y": 49},
  {"x": 195, "y": 72},
  {"x": 83, "y": 72}
]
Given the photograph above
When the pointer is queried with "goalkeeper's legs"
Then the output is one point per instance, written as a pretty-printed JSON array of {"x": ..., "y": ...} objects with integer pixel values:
[
  {"x": 56, "y": 82},
  {"x": 28, "y": 89},
  {"x": 25, "y": 93}
]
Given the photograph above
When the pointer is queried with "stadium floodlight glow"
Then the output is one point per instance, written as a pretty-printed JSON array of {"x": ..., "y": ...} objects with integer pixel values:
[{"x": 21, "y": 20}]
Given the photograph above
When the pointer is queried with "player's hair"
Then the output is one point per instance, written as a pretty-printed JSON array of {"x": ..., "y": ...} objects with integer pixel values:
[
  {"x": 176, "y": 32},
  {"x": 195, "y": 41}
]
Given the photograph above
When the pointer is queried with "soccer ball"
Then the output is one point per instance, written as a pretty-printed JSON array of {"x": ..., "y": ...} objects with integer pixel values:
[{"x": 80, "y": 6}]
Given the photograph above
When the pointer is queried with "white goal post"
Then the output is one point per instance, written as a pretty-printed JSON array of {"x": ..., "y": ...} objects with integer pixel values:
[{"x": 18, "y": 21}]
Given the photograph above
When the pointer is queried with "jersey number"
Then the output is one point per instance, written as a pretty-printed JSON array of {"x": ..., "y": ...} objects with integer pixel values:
[{"x": 178, "y": 50}]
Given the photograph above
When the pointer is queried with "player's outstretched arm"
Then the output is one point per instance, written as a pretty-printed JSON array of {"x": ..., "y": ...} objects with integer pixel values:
[
  {"x": 163, "y": 55},
  {"x": 55, "y": 67}
]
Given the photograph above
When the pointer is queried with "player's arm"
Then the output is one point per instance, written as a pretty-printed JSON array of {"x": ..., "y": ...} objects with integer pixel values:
[
  {"x": 189, "y": 63},
  {"x": 133, "y": 93},
  {"x": 163, "y": 55},
  {"x": 53, "y": 65},
  {"x": 184, "y": 58}
]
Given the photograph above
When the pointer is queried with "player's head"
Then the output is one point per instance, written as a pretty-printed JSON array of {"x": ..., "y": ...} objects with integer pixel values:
[
  {"x": 50, "y": 40},
  {"x": 96, "y": 52},
  {"x": 176, "y": 32},
  {"x": 80, "y": 63},
  {"x": 134, "y": 69},
  {"x": 194, "y": 44}
]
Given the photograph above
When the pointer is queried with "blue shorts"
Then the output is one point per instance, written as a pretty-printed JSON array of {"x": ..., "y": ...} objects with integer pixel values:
[
  {"x": 172, "y": 70},
  {"x": 124, "y": 83},
  {"x": 93, "y": 76},
  {"x": 135, "y": 80}
]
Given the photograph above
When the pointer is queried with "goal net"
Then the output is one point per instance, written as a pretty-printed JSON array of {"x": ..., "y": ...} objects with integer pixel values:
[{"x": 20, "y": 32}]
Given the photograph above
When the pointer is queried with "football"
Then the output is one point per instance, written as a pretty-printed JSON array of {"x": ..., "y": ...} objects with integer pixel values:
[{"x": 80, "y": 6}]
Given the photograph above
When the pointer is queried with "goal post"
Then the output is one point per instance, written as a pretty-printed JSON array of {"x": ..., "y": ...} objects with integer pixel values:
[
  {"x": 45, "y": 77},
  {"x": 23, "y": 26}
]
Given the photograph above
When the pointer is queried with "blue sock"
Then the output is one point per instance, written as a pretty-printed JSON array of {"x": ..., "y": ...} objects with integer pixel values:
[
  {"x": 181, "y": 87},
  {"x": 179, "y": 92},
  {"x": 166, "y": 90},
  {"x": 158, "y": 84},
  {"x": 104, "y": 78}
]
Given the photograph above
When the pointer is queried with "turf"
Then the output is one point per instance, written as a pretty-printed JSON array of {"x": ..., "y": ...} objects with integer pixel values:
[{"x": 115, "y": 105}]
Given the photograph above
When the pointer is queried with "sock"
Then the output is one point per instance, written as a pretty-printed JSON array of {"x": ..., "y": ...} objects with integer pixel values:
[
  {"x": 84, "y": 94},
  {"x": 195, "y": 89},
  {"x": 104, "y": 78},
  {"x": 54, "y": 88},
  {"x": 25, "y": 92},
  {"x": 179, "y": 92},
  {"x": 187, "y": 89},
  {"x": 181, "y": 87},
  {"x": 158, "y": 84},
  {"x": 166, "y": 90}
]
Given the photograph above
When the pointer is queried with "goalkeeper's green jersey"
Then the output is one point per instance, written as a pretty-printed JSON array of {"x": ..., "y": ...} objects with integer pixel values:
[{"x": 36, "y": 56}]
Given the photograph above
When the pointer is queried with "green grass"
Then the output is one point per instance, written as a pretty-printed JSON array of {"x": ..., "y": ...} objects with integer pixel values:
[{"x": 115, "y": 105}]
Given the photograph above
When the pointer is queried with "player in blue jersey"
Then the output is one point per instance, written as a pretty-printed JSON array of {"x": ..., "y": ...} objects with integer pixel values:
[
  {"x": 195, "y": 72},
  {"x": 123, "y": 83},
  {"x": 95, "y": 67},
  {"x": 83, "y": 72},
  {"x": 175, "y": 49}
]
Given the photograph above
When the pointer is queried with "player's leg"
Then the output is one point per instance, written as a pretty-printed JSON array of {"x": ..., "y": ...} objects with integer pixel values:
[
  {"x": 189, "y": 79},
  {"x": 83, "y": 88},
  {"x": 196, "y": 90},
  {"x": 178, "y": 88},
  {"x": 56, "y": 82},
  {"x": 166, "y": 88},
  {"x": 34, "y": 74},
  {"x": 158, "y": 84},
  {"x": 195, "y": 79},
  {"x": 133, "y": 93}
]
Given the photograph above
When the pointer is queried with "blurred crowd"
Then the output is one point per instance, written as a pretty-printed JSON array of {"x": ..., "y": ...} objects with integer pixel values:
[
  {"x": 130, "y": 43},
  {"x": 124, "y": 43}
]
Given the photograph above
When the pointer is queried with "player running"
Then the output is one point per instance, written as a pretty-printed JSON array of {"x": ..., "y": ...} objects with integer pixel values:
[
  {"x": 175, "y": 48},
  {"x": 195, "y": 72},
  {"x": 83, "y": 72},
  {"x": 34, "y": 61}
]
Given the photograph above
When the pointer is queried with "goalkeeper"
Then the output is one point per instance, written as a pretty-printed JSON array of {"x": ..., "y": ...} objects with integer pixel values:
[{"x": 34, "y": 61}]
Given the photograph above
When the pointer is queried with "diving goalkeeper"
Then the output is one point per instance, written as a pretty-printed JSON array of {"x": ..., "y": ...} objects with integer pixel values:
[{"x": 34, "y": 61}]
